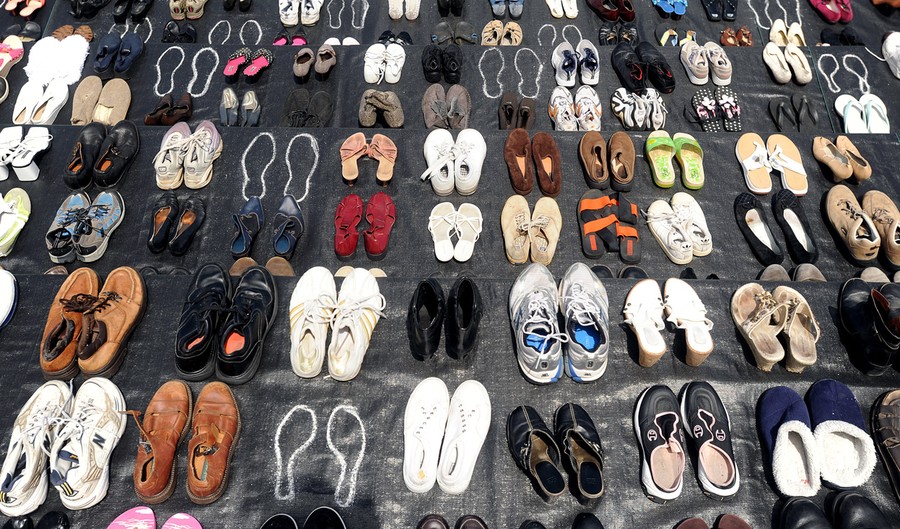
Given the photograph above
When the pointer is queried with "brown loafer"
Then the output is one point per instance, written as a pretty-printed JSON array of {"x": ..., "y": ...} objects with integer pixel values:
[
  {"x": 434, "y": 107},
  {"x": 63, "y": 328},
  {"x": 861, "y": 168},
  {"x": 831, "y": 157},
  {"x": 216, "y": 426},
  {"x": 730, "y": 521},
  {"x": 164, "y": 426},
  {"x": 621, "y": 161},
  {"x": 548, "y": 164},
  {"x": 517, "y": 153},
  {"x": 853, "y": 225},
  {"x": 692, "y": 523},
  {"x": 592, "y": 150},
  {"x": 326, "y": 59},
  {"x": 884, "y": 213},
  {"x": 182, "y": 110}
]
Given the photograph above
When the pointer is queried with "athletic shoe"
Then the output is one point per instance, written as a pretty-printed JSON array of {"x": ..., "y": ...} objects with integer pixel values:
[
  {"x": 562, "y": 109},
  {"x": 533, "y": 305},
  {"x": 310, "y": 11},
  {"x": 467, "y": 428},
  {"x": 289, "y": 12},
  {"x": 311, "y": 307},
  {"x": 62, "y": 235},
  {"x": 657, "y": 425},
  {"x": 708, "y": 426},
  {"x": 585, "y": 306},
  {"x": 169, "y": 161},
  {"x": 201, "y": 149},
  {"x": 9, "y": 297},
  {"x": 359, "y": 307},
  {"x": 97, "y": 225},
  {"x": 24, "y": 471},
  {"x": 469, "y": 153},
  {"x": 587, "y": 108},
  {"x": 423, "y": 429}
]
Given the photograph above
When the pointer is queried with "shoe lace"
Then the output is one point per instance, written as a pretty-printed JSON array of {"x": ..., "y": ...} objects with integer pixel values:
[
  {"x": 41, "y": 422},
  {"x": 74, "y": 426},
  {"x": 88, "y": 304},
  {"x": 582, "y": 308},
  {"x": 569, "y": 63},
  {"x": 850, "y": 209},
  {"x": 345, "y": 314},
  {"x": 446, "y": 154},
  {"x": 882, "y": 216},
  {"x": 541, "y": 316},
  {"x": 242, "y": 307},
  {"x": 563, "y": 108},
  {"x": 587, "y": 111},
  {"x": 84, "y": 217},
  {"x": 200, "y": 140},
  {"x": 316, "y": 311}
]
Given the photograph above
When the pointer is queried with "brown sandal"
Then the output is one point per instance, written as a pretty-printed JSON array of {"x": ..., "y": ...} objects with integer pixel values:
[
  {"x": 63, "y": 32},
  {"x": 85, "y": 31},
  {"x": 352, "y": 150},
  {"x": 729, "y": 37},
  {"x": 744, "y": 37},
  {"x": 385, "y": 151},
  {"x": 490, "y": 35}
]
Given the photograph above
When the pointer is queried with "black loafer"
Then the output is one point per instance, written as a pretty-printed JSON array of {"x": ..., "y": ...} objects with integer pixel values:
[
  {"x": 118, "y": 151},
  {"x": 107, "y": 50},
  {"x": 288, "y": 227},
  {"x": 425, "y": 319},
  {"x": 451, "y": 63},
  {"x": 748, "y": 209},
  {"x": 464, "y": 309},
  {"x": 852, "y": 510},
  {"x": 80, "y": 169},
  {"x": 253, "y": 309},
  {"x": 632, "y": 272},
  {"x": 190, "y": 219},
  {"x": 324, "y": 518},
  {"x": 797, "y": 233},
  {"x": 578, "y": 437},
  {"x": 802, "y": 513},
  {"x": 247, "y": 224},
  {"x": 171, "y": 32},
  {"x": 139, "y": 10},
  {"x": 162, "y": 218},
  {"x": 54, "y": 520},
  {"x": 204, "y": 310},
  {"x": 432, "y": 60},
  {"x": 535, "y": 450}
]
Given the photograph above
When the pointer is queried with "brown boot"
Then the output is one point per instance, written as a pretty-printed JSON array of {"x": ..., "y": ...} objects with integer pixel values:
[
  {"x": 216, "y": 427},
  {"x": 517, "y": 153},
  {"x": 164, "y": 427},
  {"x": 63, "y": 328},
  {"x": 547, "y": 160}
]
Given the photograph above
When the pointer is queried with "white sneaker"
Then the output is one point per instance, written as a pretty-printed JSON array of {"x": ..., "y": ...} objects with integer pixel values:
[
  {"x": 890, "y": 50},
  {"x": 374, "y": 66},
  {"x": 311, "y": 306},
  {"x": 51, "y": 102},
  {"x": 587, "y": 108},
  {"x": 24, "y": 471},
  {"x": 468, "y": 153},
  {"x": 395, "y": 9},
  {"x": 79, "y": 457},
  {"x": 533, "y": 308},
  {"x": 349, "y": 41},
  {"x": 565, "y": 63},
  {"x": 289, "y": 12},
  {"x": 169, "y": 161},
  {"x": 669, "y": 232},
  {"x": 562, "y": 109},
  {"x": 442, "y": 225},
  {"x": 467, "y": 428},
  {"x": 412, "y": 9},
  {"x": 693, "y": 223},
  {"x": 588, "y": 62},
  {"x": 468, "y": 228},
  {"x": 439, "y": 155},
  {"x": 585, "y": 308},
  {"x": 201, "y": 150},
  {"x": 570, "y": 8},
  {"x": 394, "y": 57},
  {"x": 9, "y": 299},
  {"x": 423, "y": 429},
  {"x": 10, "y": 138},
  {"x": 309, "y": 11},
  {"x": 358, "y": 309}
]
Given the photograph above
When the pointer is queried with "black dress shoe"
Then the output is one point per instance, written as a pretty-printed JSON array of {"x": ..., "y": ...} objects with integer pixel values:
[
  {"x": 886, "y": 307},
  {"x": 253, "y": 309},
  {"x": 197, "y": 337},
  {"x": 118, "y": 151},
  {"x": 244, "y": 5},
  {"x": 747, "y": 210},
  {"x": 797, "y": 234},
  {"x": 578, "y": 437},
  {"x": 535, "y": 450},
  {"x": 531, "y": 524},
  {"x": 632, "y": 272},
  {"x": 120, "y": 11},
  {"x": 451, "y": 63},
  {"x": 162, "y": 217},
  {"x": 586, "y": 520},
  {"x": 54, "y": 520},
  {"x": 433, "y": 521},
  {"x": 857, "y": 312},
  {"x": 80, "y": 168},
  {"x": 324, "y": 518},
  {"x": 802, "y": 513},
  {"x": 139, "y": 10},
  {"x": 171, "y": 32},
  {"x": 279, "y": 521},
  {"x": 470, "y": 521},
  {"x": 885, "y": 425},
  {"x": 288, "y": 227},
  {"x": 19, "y": 522},
  {"x": 463, "y": 317},
  {"x": 425, "y": 319},
  {"x": 247, "y": 224},
  {"x": 90, "y": 8},
  {"x": 852, "y": 510},
  {"x": 190, "y": 219}
]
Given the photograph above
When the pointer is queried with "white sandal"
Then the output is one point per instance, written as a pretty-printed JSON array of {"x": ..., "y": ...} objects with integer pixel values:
[
  {"x": 667, "y": 229},
  {"x": 24, "y": 159},
  {"x": 643, "y": 313},
  {"x": 468, "y": 228},
  {"x": 685, "y": 310},
  {"x": 876, "y": 114},
  {"x": 853, "y": 114},
  {"x": 442, "y": 225}
]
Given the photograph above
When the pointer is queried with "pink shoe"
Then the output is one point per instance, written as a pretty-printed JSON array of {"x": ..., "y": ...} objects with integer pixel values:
[
  {"x": 182, "y": 521},
  {"x": 236, "y": 60},
  {"x": 137, "y": 518},
  {"x": 828, "y": 9},
  {"x": 259, "y": 61},
  {"x": 846, "y": 10}
]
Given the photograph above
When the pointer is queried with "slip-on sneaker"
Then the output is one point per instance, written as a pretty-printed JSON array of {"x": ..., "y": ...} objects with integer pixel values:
[
  {"x": 785, "y": 428},
  {"x": 467, "y": 428},
  {"x": 254, "y": 308},
  {"x": 247, "y": 224},
  {"x": 708, "y": 426},
  {"x": 657, "y": 426},
  {"x": 423, "y": 430},
  {"x": 129, "y": 52},
  {"x": 202, "y": 315},
  {"x": 107, "y": 51},
  {"x": 534, "y": 449}
]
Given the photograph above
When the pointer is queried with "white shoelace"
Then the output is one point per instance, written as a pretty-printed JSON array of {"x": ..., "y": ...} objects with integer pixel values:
[
  {"x": 447, "y": 153},
  {"x": 353, "y": 311},
  {"x": 539, "y": 318},
  {"x": 40, "y": 423},
  {"x": 316, "y": 311},
  {"x": 583, "y": 309}
]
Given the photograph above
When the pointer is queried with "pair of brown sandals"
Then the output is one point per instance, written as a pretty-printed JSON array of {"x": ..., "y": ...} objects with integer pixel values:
[
  {"x": 740, "y": 37},
  {"x": 381, "y": 148},
  {"x": 496, "y": 34}
]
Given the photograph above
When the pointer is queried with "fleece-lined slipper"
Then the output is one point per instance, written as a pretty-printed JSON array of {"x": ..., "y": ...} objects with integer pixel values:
[{"x": 784, "y": 424}]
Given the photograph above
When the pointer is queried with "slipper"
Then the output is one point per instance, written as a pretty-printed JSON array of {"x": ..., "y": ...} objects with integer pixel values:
[
  {"x": 352, "y": 150},
  {"x": 182, "y": 521},
  {"x": 85, "y": 99},
  {"x": 442, "y": 224},
  {"x": 690, "y": 157},
  {"x": 876, "y": 114},
  {"x": 597, "y": 220},
  {"x": 259, "y": 61},
  {"x": 754, "y": 159},
  {"x": 15, "y": 210},
  {"x": 685, "y": 310},
  {"x": 680, "y": 7},
  {"x": 112, "y": 105},
  {"x": 385, "y": 151},
  {"x": 853, "y": 114},
  {"x": 785, "y": 158},
  {"x": 236, "y": 60},
  {"x": 704, "y": 105},
  {"x": 626, "y": 231},
  {"x": 136, "y": 517},
  {"x": 660, "y": 150},
  {"x": 730, "y": 108}
]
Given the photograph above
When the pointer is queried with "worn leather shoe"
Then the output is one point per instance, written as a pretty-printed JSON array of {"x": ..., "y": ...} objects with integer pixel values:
[
  {"x": 197, "y": 337},
  {"x": 190, "y": 219},
  {"x": 802, "y": 513},
  {"x": 19, "y": 522},
  {"x": 80, "y": 169},
  {"x": 857, "y": 311},
  {"x": 324, "y": 518},
  {"x": 464, "y": 309},
  {"x": 578, "y": 437},
  {"x": 63, "y": 328},
  {"x": 216, "y": 426},
  {"x": 433, "y": 521},
  {"x": 288, "y": 227},
  {"x": 163, "y": 217},
  {"x": 425, "y": 318},
  {"x": 253, "y": 309},
  {"x": 118, "y": 150},
  {"x": 247, "y": 224},
  {"x": 535, "y": 451},
  {"x": 852, "y": 510},
  {"x": 164, "y": 426}
]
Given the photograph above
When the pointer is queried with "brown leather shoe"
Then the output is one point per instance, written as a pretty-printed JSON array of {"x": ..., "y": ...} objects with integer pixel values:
[
  {"x": 517, "y": 154},
  {"x": 216, "y": 427},
  {"x": 433, "y": 521},
  {"x": 730, "y": 521},
  {"x": 547, "y": 160},
  {"x": 692, "y": 523},
  {"x": 884, "y": 213},
  {"x": 165, "y": 425},
  {"x": 621, "y": 161},
  {"x": 470, "y": 521},
  {"x": 592, "y": 150},
  {"x": 63, "y": 328},
  {"x": 109, "y": 322},
  {"x": 181, "y": 110}
]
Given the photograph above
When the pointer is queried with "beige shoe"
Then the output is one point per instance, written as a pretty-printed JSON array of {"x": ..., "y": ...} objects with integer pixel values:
[
  {"x": 546, "y": 225},
  {"x": 861, "y": 168},
  {"x": 874, "y": 274},
  {"x": 774, "y": 272},
  {"x": 884, "y": 213},
  {"x": 831, "y": 157},
  {"x": 800, "y": 328},
  {"x": 852, "y": 223},
  {"x": 113, "y": 104},
  {"x": 85, "y": 99},
  {"x": 808, "y": 272},
  {"x": 514, "y": 221},
  {"x": 760, "y": 318}
]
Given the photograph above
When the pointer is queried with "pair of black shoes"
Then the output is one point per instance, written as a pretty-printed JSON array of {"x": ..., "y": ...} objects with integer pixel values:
[
  {"x": 102, "y": 157},
  {"x": 436, "y": 521},
  {"x": 320, "y": 518},
  {"x": 175, "y": 33},
  {"x": 223, "y": 330},
  {"x": 446, "y": 7},
  {"x": 871, "y": 318},
  {"x": 174, "y": 226},
  {"x": 584, "y": 520},
  {"x": 51, "y": 520},
  {"x": 136, "y": 9},
  {"x": 289, "y": 226},
  {"x": 626, "y": 272},
  {"x": 459, "y": 317},
  {"x": 437, "y": 61},
  {"x": 536, "y": 451},
  {"x": 847, "y": 510},
  {"x": 402, "y": 38},
  {"x": 86, "y": 8},
  {"x": 612, "y": 34},
  {"x": 641, "y": 66},
  {"x": 301, "y": 110},
  {"x": 794, "y": 113},
  {"x": 243, "y": 5},
  {"x": 748, "y": 210},
  {"x": 717, "y": 10}
]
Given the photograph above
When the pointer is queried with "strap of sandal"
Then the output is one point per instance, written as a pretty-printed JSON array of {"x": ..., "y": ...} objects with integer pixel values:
[{"x": 766, "y": 308}]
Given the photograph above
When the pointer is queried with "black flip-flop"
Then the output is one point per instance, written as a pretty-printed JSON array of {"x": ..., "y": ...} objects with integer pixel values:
[
  {"x": 713, "y": 9},
  {"x": 807, "y": 117},
  {"x": 729, "y": 108},
  {"x": 778, "y": 110}
]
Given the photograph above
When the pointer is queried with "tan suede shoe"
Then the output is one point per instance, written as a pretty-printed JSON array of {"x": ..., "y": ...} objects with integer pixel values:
[
  {"x": 514, "y": 221},
  {"x": 861, "y": 168},
  {"x": 853, "y": 225},
  {"x": 886, "y": 216},
  {"x": 546, "y": 225},
  {"x": 831, "y": 157}
]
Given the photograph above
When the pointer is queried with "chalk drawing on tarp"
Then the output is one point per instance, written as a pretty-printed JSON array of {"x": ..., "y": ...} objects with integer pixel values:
[
  {"x": 209, "y": 76},
  {"x": 529, "y": 74},
  {"x": 262, "y": 174},
  {"x": 313, "y": 164},
  {"x": 848, "y": 59},
  {"x": 862, "y": 77},
  {"x": 359, "y": 10},
  {"x": 145, "y": 22},
  {"x": 540, "y": 35},
  {"x": 784, "y": 11},
  {"x": 573, "y": 42},
  {"x": 209, "y": 36},
  {"x": 259, "y": 32},
  {"x": 171, "y": 49},
  {"x": 346, "y": 485},
  {"x": 178, "y": 50},
  {"x": 494, "y": 77},
  {"x": 286, "y": 473}
]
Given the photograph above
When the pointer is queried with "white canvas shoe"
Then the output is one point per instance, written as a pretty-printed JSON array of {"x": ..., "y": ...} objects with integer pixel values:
[
  {"x": 669, "y": 232},
  {"x": 423, "y": 430},
  {"x": 693, "y": 223},
  {"x": 467, "y": 427},
  {"x": 412, "y": 9},
  {"x": 468, "y": 153},
  {"x": 311, "y": 307},
  {"x": 10, "y": 138},
  {"x": 309, "y": 11},
  {"x": 394, "y": 57},
  {"x": 51, "y": 102},
  {"x": 289, "y": 12},
  {"x": 439, "y": 155},
  {"x": 585, "y": 308},
  {"x": 587, "y": 108},
  {"x": 374, "y": 66},
  {"x": 468, "y": 228},
  {"x": 358, "y": 309}
]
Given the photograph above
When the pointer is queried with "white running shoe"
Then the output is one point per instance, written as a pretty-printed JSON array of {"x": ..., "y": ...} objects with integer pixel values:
[
  {"x": 533, "y": 306},
  {"x": 9, "y": 297},
  {"x": 312, "y": 303},
  {"x": 394, "y": 58},
  {"x": 423, "y": 430},
  {"x": 469, "y": 153},
  {"x": 80, "y": 455},
  {"x": 587, "y": 108},
  {"x": 309, "y": 11},
  {"x": 359, "y": 307},
  {"x": 562, "y": 109},
  {"x": 585, "y": 307},
  {"x": 289, "y": 12},
  {"x": 201, "y": 150},
  {"x": 24, "y": 471},
  {"x": 169, "y": 161},
  {"x": 467, "y": 428},
  {"x": 439, "y": 155}
]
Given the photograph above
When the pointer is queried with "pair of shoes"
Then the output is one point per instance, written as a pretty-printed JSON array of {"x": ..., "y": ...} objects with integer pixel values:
[
  {"x": 610, "y": 221},
  {"x": 709, "y": 106},
  {"x": 443, "y": 436},
  {"x": 672, "y": 8},
  {"x": 297, "y": 39},
  {"x": 447, "y": 61},
  {"x": 254, "y": 62},
  {"x": 754, "y": 224},
  {"x": 23, "y": 153},
  {"x": 847, "y": 37},
  {"x": 301, "y": 110},
  {"x": 77, "y": 452},
  {"x": 88, "y": 326},
  {"x": 243, "y": 5},
  {"x": 778, "y": 153},
  {"x": 626, "y": 272},
  {"x": 614, "y": 10},
  {"x": 26, "y": 8},
  {"x": 797, "y": 111},
  {"x": 174, "y": 226},
  {"x": 380, "y": 213},
  {"x": 661, "y": 148},
  {"x": 320, "y": 518},
  {"x": 847, "y": 509},
  {"x": 496, "y": 34},
  {"x": 515, "y": 113},
  {"x": 639, "y": 112},
  {"x": 842, "y": 159},
  {"x": 224, "y": 331},
  {"x": 568, "y": 61},
  {"x": 560, "y": 8},
  {"x": 834, "y": 11},
  {"x": 582, "y": 113},
  {"x": 868, "y": 313},
  {"x": 864, "y": 229},
  {"x": 169, "y": 112},
  {"x": 740, "y": 37},
  {"x": 144, "y": 517},
  {"x": 446, "y": 110},
  {"x": 864, "y": 115},
  {"x": 726, "y": 521},
  {"x": 396, "y": 9},
  {"x": 388, "y": 37},
  {"x": 644, "y": 307},
  {"x": 352, "y": 314},
  {"x": 245, "y": 114},
  {"x": 498, "y": 8},
  {"x": 607, "y": 166},
  {"x": 822, "y": 440},
  {"x": 459, "y": 317},
  {"x": 717, "y": 10},
  {"x": 51, "y": 520},
  {"x": 762, "y": 316},
  {"x": 187, "y": 157},
  {"x": 803, "y": 272},
  {"x": 782, "y": 63},
  {"x": 322, "y": 61},
  {"x": 680, "y": 228},
  {"x": 174, "y": 33},
  {"x": 381, "y": 148},
  {"x": 375, "y": 103},
  {"x": 383, "y": 63},
  {"x": 781, "y": 34},
  {"x": 37, "y": 104},
  {"x": 289, "y": 227},
  {"x": 658, "y": 421},
  {"x": 102, "y": 156},
  {"x": 118, "y": 53},
  {"x": 460, "y": 33},
  {"x": 446, "y": 221},
  {"x": 15, "y": 209},
  {"x": 436, "y": 521},
  {"x": 611, "y": 34},
  {"x": 446, "y": 7},
  {"x": 215, "y": 425},
  {"x": 454, "y": 164},
  {"x": 277, "y": 266},
  {"x": 534, "y": 304},
  {"x": 527, "y": 233},
  {"x": 190, "y": 9},
  {"x": 701, "y": 62},
  {"x": 635, "y": 65},
  {"x": 95, "y": 102},
  {"x": 81, "y": 228},
  {"x": 522, "y": 154},
  {"x": 536, "y": 450}
]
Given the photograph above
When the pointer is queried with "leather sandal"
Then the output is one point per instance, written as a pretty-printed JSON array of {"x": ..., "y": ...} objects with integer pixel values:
[
  {"x": 384, "y": 150},
  {"x": 800, "y": 328},
  {"x": 352, "y": 150}
]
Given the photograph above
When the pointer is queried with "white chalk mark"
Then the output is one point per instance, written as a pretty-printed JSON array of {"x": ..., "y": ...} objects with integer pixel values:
[
  {"x": 574, "y": 42},
  {"x": 209, "y": 37},
  {"x": 149, "y": 27},
  {"x": 541, "y": 32},
  {"x": 262, "y": 174},
  {"x": 829, "y": 77},
  {"x": 113, "y": 28},
  {"x": 783, "y": 10},
  {"x": 346, "y": 486},
  {"x": 331, "y": 17},
  {"x": 756, "y": 15},
  {"x": 314, "y": 147},
  {"x": 172, "y": 70},
  {"x": 536, "y": 77},
  {"x": 212, "y": 71},
  {"x": 864, "y": 86},
  {"x": 259, "y": 32},
  {"x": 279, "y": 463},
  {"x": 364, "y": 11},
  {"x": 498, "y": 76}
]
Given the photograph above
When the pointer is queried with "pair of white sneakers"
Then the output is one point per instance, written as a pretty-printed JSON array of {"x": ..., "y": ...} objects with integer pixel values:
[
  {"x": 454, "y": 164},
  {"x": 446, "y": 221},
  {"x": 396, "y": 9},
  {"x": 560, "y": 8},
  {"x": 442, "y": 437},
  {"x": 292, "y": 12},
  {"x": 80, "y": 433},
  {"x": 352, "y": 316},
  {"x": 581, "y": 113},
  {"x": 680, "y": 228},
  {"x": 384, "y": 63}
]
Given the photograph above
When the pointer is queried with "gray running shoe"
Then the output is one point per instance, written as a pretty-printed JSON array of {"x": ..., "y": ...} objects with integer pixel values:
[
  {"x": 62, "y": 236},
  {"x": 533, "y": 306},
  {"x": 97, "y": 225},
  {"x": 585, "y": 306}
]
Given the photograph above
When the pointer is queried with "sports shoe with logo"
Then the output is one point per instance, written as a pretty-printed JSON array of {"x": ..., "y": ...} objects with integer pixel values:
[
  {"x": 708, "y": 426},
  {"x": 585, "y": 306},
  {"x": 201, "y": 149},
  {"x": 24, "y": 473},
  {"x": 587, "y": 108},
  {"x": 96, "y": 225},
  {"x": 562, "y": 109},
  {"x": 657, "y": 426},
  {"x": 533, "y": 305},
  {"x": 61, "y": 236},
  {"x": 80, "y": 454},
  {"x": 289, "y": 12},
  {"x": 359, "y": 307}
]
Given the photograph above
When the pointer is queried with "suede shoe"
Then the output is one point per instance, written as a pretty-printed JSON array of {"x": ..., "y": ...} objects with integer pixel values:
[
  {"x": 247, "y": 224},
  {"x": 63, "y": 328}
]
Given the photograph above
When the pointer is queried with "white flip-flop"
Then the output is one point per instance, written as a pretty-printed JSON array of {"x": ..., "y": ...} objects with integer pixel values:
[
  {"x": 875, "y": 113},
  {"x": 849, "y": 108}
]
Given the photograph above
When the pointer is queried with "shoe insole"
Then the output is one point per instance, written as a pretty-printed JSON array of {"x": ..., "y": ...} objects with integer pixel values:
[
  {"x": 234, "y": 343},
  {"x": 719, "y": 468},
  {"x": 588, "y": 337},
  {"x": 590, "y": 477},
  {"x": 697, "y": 337},
  {"x": 666, "y": 467},
  {"x": 542, "y": 467},
  {"x": 797, "y": 229},
  {"x": 536, "y": 340},
  {"x": 760, "y": 229},
  {"x": 794, "y": 459}
]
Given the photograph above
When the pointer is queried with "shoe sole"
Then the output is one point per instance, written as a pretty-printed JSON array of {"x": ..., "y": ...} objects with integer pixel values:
[
  {"x": 170, "y": 486},
  {"x": 208, "y": 174}
]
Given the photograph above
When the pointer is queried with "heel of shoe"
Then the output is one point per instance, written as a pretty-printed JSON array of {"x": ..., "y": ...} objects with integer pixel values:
[
  {"x": 28, "y": 173},
  {"x": 648, "y": 359},
  {"x": 694, "y": 358}
]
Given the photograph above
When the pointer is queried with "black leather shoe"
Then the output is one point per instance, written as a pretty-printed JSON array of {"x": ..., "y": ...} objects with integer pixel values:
[
  {"x": 324, "y": 518},
  {"x": 19, "y": 522},
  {"x": 531, "y": 524},
  {"x": 139, "y": 10},
  {"x": 535, "y": 451},
  {"x": 120, "y": 11},
  {"x": 425, "y": 319},
  {"x": 279, "y": 521},
  {"x": 747, "y": 209},
  {"x": 253, "y": 309},
  {"x": 885, "y": 424},
  {"x": 197, "y": 337},
  {"x": 463, "y": 317},
  {"x": 857, "y": 312},
  {"x": 632, "y": 272},
  {"x": 433, "y": 521},
  {"x": 456, "y": 7},
  {"x": 886, "y": 307},
  {"x": 432, "y": 60},
  {"x": 470, "y": 521},
  {"x": 229, "y": 5},
  {"x": 171, "y": 32},
  {"x": 288, "y": 227},
  {"x": 118, "y": 151},
  {"x": 852, "y": 510},
  {"x": 188, "y": 34},
  {"x": 451, "y": 63},
  {"x": 578, "y": 437},
  {"x": 802, "y": 513},
  {"x": 586, "y": 520},
  {"x": 163, "y": 216},
  {"x": 54, "y": 520},
  {"x": 247, "y": 224},
  {"x": 190, "y": 219},
  {"x": 632, "y": 73},
  {"x": 80, "y": 168},
  {"x": 790, "y": 217},
  {"x": 90, "y": 8},
  {"x": 244, "y": 5}
]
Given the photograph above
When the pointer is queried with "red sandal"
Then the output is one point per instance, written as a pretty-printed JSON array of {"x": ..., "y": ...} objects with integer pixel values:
[
  {"x": 381, "y": 215},
  {"x": 346, "y": 219}
]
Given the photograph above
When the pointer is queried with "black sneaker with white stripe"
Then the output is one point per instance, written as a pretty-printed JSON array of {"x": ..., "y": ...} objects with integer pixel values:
[{"x": 657, "y": 425}]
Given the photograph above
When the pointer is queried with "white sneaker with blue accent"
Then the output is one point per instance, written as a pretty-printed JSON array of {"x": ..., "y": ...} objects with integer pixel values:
[
  {"x": 585, "y": 306},
  {"x": 533, "y": 306}
]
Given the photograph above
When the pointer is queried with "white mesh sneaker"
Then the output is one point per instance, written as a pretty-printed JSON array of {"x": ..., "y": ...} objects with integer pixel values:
[
  {"x": 358, "y": 309},
  {"x": 585, "y": 306},
  {"x": 312, "y": 303},
  {"x": 289, "y": 12},
  {"x": 533, "y": 306},
  {"x": 423, "y": 429}
]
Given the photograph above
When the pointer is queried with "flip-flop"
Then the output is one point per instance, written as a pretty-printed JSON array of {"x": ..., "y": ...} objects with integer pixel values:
[
  {"x": 876, "y": 114},
  {"x": 660, "y": 150},
  {"x": 182, "y": 521},
  {"x": 666, "y": 35},
  {"x": 236, "y": 60},
  {"x": 807, "y": 117},
  {"x": 785, "y": 158},
  {"x": 853, "y": 114},
  {"x": 690, "y": 157},
  {"x": 597, "y": 221},
  {"x": 754, "y": 159},
  {"x": 704, "y": 105},
  {"x": 783, "y": 119},
  {"x": 134, "y": 518},
  {"x": 730, "y": 108},
  {"x": 17, "y": 205},
  {"x": 259, "y": 61}
]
